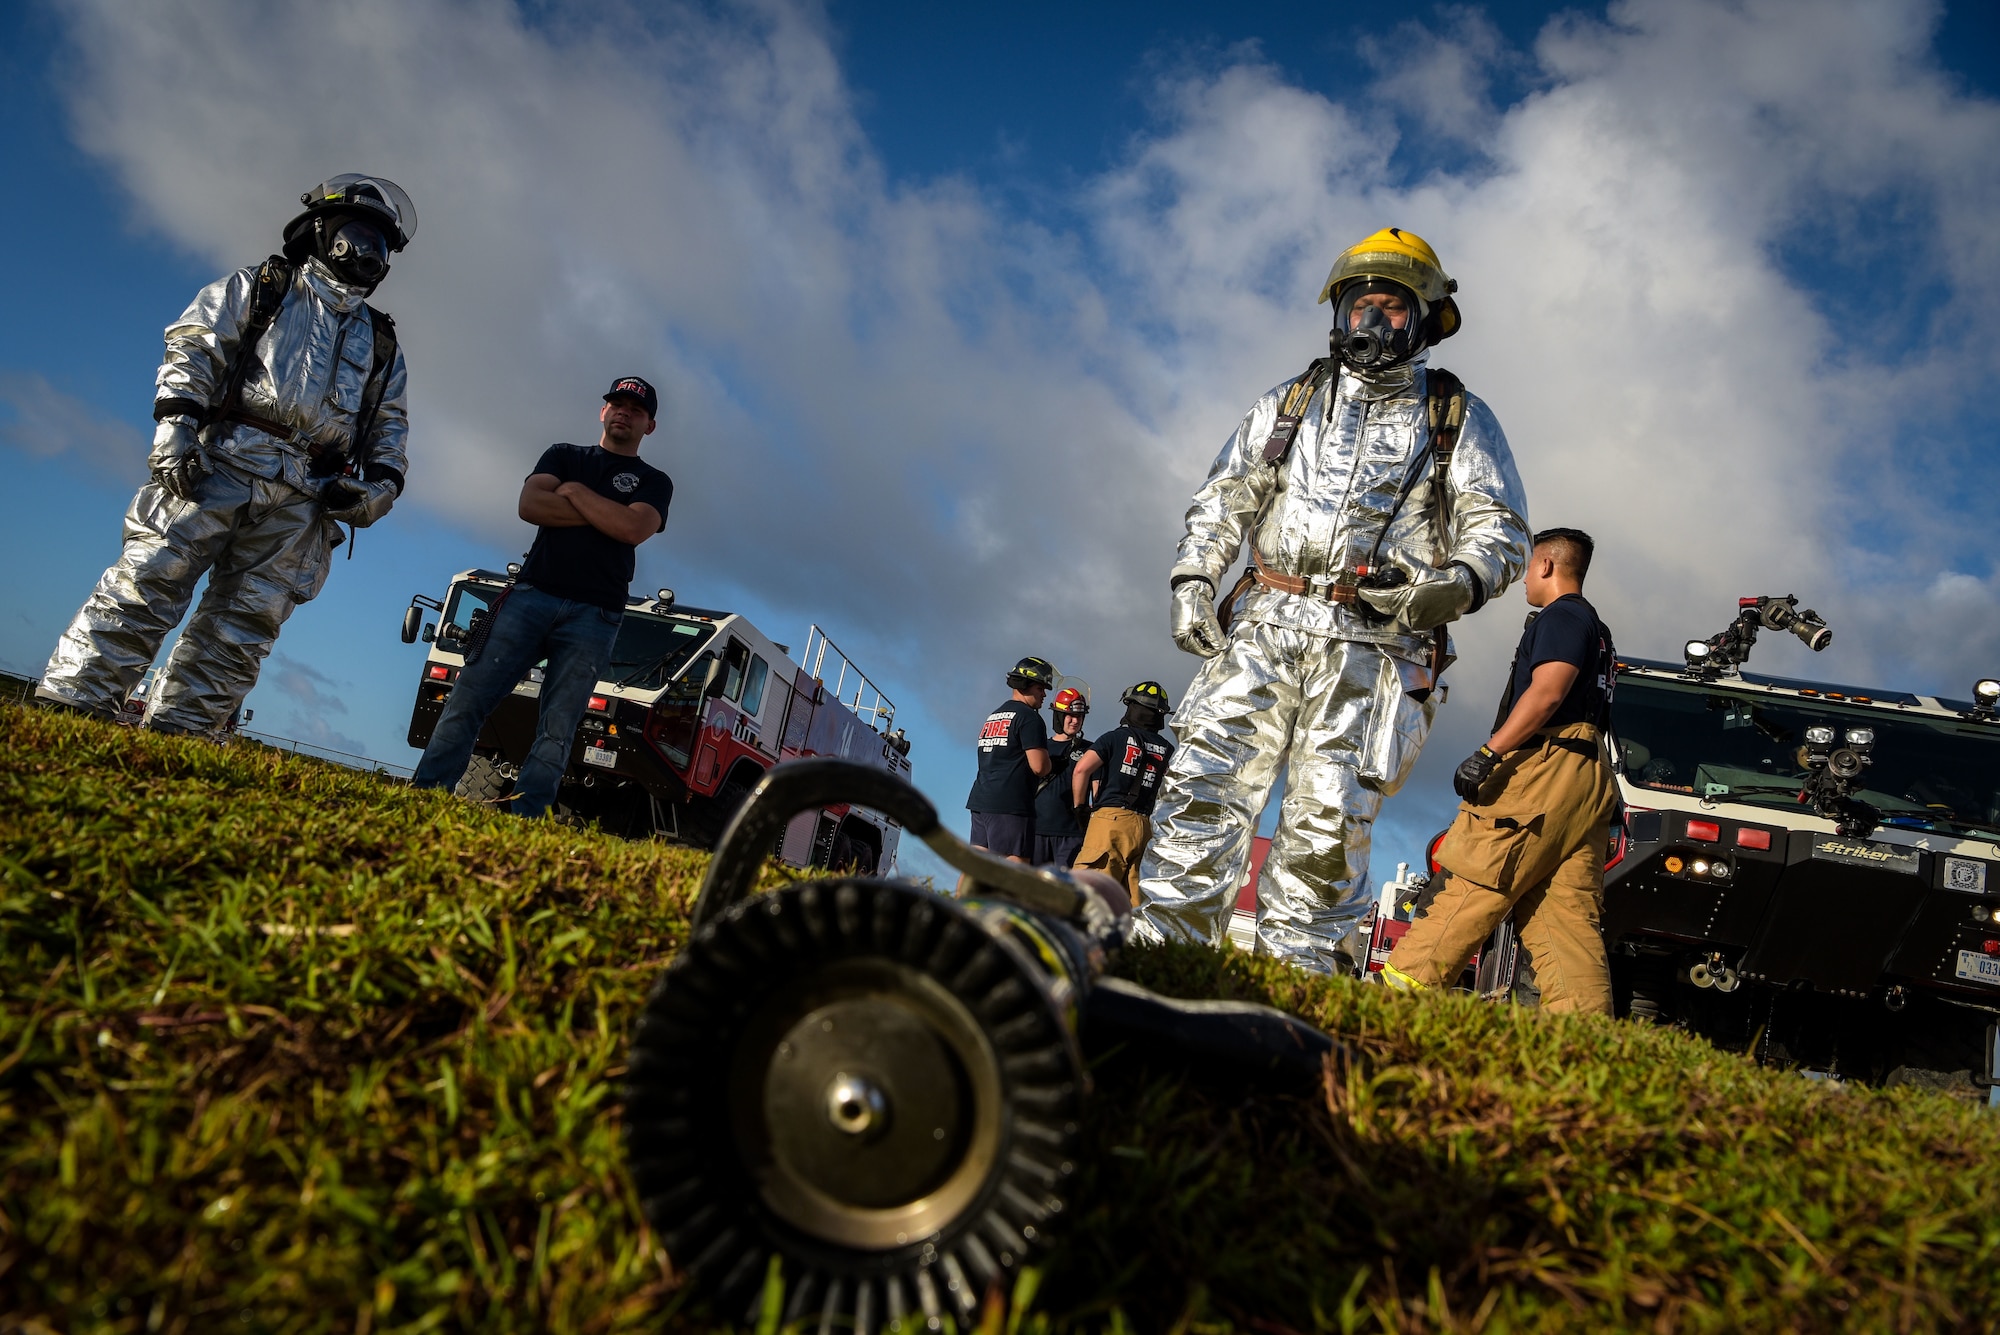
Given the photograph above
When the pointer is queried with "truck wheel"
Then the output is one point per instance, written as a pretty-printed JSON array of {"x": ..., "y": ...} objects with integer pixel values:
[
  {"x": 850, "y": 855},
  {"x": 487, "y": 781}
]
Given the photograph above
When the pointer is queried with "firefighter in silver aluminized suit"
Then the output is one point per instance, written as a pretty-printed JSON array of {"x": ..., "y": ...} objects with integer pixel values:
[
  {"x": 1380, "y": 501},
  {"x": 281, "y": 407}
]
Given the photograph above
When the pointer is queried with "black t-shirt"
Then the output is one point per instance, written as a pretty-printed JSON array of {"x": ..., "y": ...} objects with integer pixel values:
[
  {"x": 1566, "y": 631},
  {"x": 581, "y": 563},
  {"x": 1134, "y": 761},
  {"x": 1055, "y": 818},
  {"x": 1005, "y": 785}
]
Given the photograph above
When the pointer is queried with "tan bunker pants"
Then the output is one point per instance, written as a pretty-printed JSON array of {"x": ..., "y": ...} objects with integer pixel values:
[
  {"x": 1536, "y": 849},
  {"x": 1114, "y": 843}
]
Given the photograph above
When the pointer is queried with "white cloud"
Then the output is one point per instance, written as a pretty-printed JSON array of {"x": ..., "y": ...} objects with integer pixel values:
[
  {"x": 955, "y": 436},
  {"x": 47, "y": 422}
]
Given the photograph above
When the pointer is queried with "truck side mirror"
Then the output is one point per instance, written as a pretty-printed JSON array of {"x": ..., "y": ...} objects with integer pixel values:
[
  {"x": 413, "y": 617},
  {"x": 712, "y": 680},
  {"x": 431, "y": 633}
]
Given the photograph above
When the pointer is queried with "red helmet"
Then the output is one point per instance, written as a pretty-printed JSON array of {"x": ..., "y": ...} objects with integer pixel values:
[{"x": 1069, "y": 700}]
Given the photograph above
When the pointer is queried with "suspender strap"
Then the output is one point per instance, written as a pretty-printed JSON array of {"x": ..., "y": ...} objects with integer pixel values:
[
  {"x": 372, "y": 392},
  {"x": 267, "y": 298},
  {"x": 1291, "y": 412},
  {"x": 1444, "y": 407}
]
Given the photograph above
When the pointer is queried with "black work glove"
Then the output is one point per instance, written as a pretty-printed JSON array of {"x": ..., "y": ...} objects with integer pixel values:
[
  {"x": 1473, "y": 772},
  {"x": 1082, "y": 816}
]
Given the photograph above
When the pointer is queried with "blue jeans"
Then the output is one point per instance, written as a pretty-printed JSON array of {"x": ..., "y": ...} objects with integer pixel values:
[{"x": 531, "y": 625}]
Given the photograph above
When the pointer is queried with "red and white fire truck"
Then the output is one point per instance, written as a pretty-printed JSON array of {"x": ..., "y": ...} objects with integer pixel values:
[{"x": 696, "y": 705}]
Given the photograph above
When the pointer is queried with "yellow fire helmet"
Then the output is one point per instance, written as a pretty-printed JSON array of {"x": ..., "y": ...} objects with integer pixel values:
[{"x": 1406, "y": 258}]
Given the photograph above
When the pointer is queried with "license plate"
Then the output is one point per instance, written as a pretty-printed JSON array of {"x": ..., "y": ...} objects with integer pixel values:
[
  {"x": 1979, "y": 968},
  {"x": 599, "y": 755}
]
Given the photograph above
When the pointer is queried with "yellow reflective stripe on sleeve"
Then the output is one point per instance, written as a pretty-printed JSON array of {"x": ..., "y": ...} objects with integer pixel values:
[{"x": 1402, "y": 982}]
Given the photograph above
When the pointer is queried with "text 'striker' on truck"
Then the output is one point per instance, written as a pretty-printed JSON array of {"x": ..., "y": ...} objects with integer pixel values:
[{"x": 695, "y": 706}]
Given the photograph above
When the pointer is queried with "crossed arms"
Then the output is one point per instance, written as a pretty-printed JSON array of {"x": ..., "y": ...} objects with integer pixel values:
[{"x": 549, "y": 502}]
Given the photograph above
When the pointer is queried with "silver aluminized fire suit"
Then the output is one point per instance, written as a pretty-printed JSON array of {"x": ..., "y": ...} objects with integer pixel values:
[
  {"x": 1309, "y": 682},
  {"x": 256, "y": 526}
]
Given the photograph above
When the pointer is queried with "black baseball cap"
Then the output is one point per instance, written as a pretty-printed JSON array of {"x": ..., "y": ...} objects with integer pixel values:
[{"x": 632, "y": 387}]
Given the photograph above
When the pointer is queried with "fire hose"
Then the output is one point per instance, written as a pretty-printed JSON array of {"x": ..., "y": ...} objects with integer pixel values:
[{"x": 877, "y": 1089}]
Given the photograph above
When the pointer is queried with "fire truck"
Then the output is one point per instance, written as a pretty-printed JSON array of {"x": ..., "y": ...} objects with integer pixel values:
[{"x": 696, "y": 705}]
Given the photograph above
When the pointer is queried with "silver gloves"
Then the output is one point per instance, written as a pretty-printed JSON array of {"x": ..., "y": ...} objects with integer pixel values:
[
  {"x": 351, "y": 501},
  {"x": 1195, "y": 628},
  {"x": 178, "y": 463},
  {"x": 1424, "y": 604}
]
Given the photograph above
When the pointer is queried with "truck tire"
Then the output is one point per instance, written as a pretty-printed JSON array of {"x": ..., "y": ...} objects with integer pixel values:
[
  {"x": 851, "y": 855},
  {"x": 486, "y": 781}
]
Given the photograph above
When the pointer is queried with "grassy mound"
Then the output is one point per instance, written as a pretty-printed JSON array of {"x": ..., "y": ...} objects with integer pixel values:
[{"x": 284, "y": 1047}]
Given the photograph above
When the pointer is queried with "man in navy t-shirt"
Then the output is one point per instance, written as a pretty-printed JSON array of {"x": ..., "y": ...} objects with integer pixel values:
[
  {"x": 592, "y": 506},
  {"x": 1124, "y": 767},
  {"x": 1538, "y": 796},
  {"x": 1013, "y": 756}
]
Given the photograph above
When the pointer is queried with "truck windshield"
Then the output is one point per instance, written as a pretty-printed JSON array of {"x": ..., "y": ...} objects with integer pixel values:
[
  {"x": 650, "y": 651},
  {"x": 1698, "y": 738},
  {"x": 466, "y": 599}
]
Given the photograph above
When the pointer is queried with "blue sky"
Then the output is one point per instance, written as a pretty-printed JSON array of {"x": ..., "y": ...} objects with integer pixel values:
[{"x": 952, "y": 309}]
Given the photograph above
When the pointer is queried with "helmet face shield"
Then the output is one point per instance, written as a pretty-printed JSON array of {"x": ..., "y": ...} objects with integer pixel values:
[{"x": 368, "y": 195}]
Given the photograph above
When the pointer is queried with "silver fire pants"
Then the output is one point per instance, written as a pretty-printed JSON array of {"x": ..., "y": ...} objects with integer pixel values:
[
  {"x": 1338, "y": 714},
  {"x": 265, "y": 546}
]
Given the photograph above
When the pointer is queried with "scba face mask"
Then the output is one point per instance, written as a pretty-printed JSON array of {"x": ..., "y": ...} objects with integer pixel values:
[
  {"x": 1377, "y": 325},
  {"x": 357, "y": 252}
]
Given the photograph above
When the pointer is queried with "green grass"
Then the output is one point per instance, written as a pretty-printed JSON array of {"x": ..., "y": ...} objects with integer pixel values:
[{"x": 286, "y": 1047}]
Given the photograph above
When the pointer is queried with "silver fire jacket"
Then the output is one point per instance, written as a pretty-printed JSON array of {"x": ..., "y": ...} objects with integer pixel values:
[
  {"x": 1322, "y": 509},
  {"x": 308, "y": 373}
]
